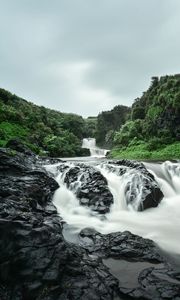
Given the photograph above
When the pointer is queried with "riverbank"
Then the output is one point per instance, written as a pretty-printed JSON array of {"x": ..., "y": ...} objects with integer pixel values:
[
  {"x": 141, "y": 152},
  {"x": 38, "y": 262}
]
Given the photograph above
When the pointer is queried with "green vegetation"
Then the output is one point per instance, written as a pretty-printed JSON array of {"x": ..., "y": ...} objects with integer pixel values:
[
  {"x": 44, "y": 130},
  {"x": 141, "y": 152},
  {"x": 108, "y": 122},
  {"x": 90, "y": 126},
  {"x": 152, "y": 130}
]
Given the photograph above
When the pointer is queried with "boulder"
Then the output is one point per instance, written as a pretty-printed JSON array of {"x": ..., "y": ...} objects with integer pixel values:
[
  {"x": 18, "y": 145},
  {"x": 35, "y": 260},
  {"x": 90, "y": 187},
  {"x": 141, "y": 189},
  {"x": 155, "y": 283},
  {"x": 139, "y": 265},
  {"x": 118, "y": 245}
]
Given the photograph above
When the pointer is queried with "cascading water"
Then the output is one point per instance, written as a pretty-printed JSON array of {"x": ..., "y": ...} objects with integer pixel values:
[
  {"x": 90, "y": 143},
  {"x": 160, "y": 224}
]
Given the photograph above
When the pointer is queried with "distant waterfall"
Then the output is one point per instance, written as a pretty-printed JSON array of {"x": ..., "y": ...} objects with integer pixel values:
[{"x": 90, "y": 143}]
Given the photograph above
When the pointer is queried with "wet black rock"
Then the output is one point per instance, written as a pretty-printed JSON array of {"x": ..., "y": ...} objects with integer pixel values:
[
  {"x": 119, "y": 245},
  {"x": 35, "y": 260},
  {"x": 90, "y": 187},
  {"x": 155, "y": 283},
  {"x": 17, "y": 145},
  {"x": 37, "y": 263},
  {"x": 138, "y": 264},
  {"x": 141, "y": 189},
  {"x": 14, "y": 162}
]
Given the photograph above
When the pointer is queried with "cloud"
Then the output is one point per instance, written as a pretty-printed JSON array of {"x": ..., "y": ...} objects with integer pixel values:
[
  {"x": 79, "y": 94},
  {"x": 86, "y": 56}
]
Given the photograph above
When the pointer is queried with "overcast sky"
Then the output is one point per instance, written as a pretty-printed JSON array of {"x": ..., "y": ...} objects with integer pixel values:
[{"x": 86, "y": 56}]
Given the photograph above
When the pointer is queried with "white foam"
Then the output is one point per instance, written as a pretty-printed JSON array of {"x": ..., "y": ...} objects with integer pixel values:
[{"x": 161, "y": 224}]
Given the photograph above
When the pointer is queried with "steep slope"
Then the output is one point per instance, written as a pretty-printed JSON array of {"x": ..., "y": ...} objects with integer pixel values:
[
  {"x": 154, "y": 123},
  {"x": 108, "y": 122},
  {"x": 44, "y": 130}
]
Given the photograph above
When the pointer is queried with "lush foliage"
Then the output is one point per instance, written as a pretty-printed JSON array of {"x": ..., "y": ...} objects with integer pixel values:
[
  {"x": 108, "y": 122},
  {"x": 145, "y": 130},
  {"x": 153, "y": 124},
  {"x": 42, "y": 129},
  {"x": 141, "y": 151},
  {"x": 90, "y": 127}
]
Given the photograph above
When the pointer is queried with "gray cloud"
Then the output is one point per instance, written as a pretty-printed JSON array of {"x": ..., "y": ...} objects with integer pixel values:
[{"x": 86, "y": 56}]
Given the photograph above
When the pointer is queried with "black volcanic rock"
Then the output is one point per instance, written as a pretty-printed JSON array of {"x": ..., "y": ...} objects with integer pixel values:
[
  {"x": 35, "y": 260},
  {"x": 90, "y": 187},
  {"x": 17, "y": 145},
  {"x": 141, "y": 190},
  {"x": 155, "y": 283},
  {"x": 155, "y": 277},
  {"x": 119, "y": 245},
  {"x": 37, "y": 263}
]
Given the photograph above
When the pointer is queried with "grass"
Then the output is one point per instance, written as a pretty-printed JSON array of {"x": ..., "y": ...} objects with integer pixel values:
[{"x": 140, "y": 152}]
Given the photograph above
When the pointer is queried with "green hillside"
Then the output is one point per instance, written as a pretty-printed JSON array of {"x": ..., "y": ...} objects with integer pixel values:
[
  {"x": 43, "y": 130},
  {"x": 152, "y": 130},
  {"x": 108, "y": 122}
]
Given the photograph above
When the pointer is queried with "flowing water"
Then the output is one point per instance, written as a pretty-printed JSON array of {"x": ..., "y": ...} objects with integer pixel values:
[
  {"x": 161, "y": 224},
  {"x": 90, "y": 143}
]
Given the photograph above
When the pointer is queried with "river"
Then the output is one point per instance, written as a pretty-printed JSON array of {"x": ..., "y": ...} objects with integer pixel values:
[{"x": 161, "y": 224}]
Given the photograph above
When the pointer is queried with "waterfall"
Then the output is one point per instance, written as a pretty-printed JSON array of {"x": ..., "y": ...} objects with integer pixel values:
[
  {"x": 160, "y": 224},
  {"x": 90, "y": 143}
]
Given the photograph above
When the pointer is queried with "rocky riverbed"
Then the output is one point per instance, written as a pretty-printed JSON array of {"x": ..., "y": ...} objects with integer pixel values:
[{"x": 36, "y": 262}]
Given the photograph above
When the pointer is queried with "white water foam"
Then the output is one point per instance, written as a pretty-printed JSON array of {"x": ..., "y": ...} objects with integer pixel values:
[
  {"x": 161, "y": 224},
  {"x": 90, "y": 143}
]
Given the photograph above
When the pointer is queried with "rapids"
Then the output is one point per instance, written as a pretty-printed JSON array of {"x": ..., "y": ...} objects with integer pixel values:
[{"x": 160, "y": 224}]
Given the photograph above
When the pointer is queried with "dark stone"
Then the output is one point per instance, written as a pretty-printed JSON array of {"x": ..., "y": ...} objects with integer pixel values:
[
  {"x": 36, "y": 263},
  {"x": 35, "y": 260},
  {"x": 155, "y": 283},
  {"x": 142, "y": 190},
  {"x": 90, "y": 187},
  {"x": 123, "y": 245},
  {"x": 17, "y": 145},
  {"x": 159, "y": 281},
  {"x": 12, "y": 162}
]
